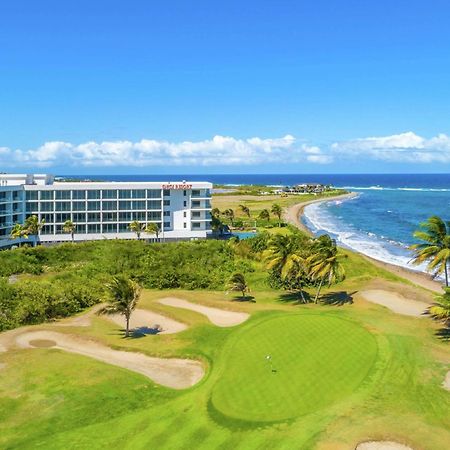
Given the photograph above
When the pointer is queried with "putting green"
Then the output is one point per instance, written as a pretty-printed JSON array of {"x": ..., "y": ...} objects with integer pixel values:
[{"x": 317, "y": 360}]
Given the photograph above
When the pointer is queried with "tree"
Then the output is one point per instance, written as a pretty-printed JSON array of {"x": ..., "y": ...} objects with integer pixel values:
[
  {"x": 229, "y": 214},
  {"x": 324, "y": 264},
  {"x": 441, "y": 308},
  {"x": 137, "y": 227},
  {"x": 152, "y": 228},
  {"x": 435, "y": 246},
  {"x": 16, "y": 232},
  {"x": 277, "y": 211},
  {"x": 215, "y": 212},
  {"x": 245, "y": 210},
  {"x": 123, "y": 297},
  {"x": 31, "y": 227},
  {"x": 69, "y": 227},
  {"x": 264, "y": 215},
  {"x": 239, "y": 284}
]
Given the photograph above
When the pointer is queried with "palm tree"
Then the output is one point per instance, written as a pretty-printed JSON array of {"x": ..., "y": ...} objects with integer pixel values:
[
  {"x": 239, "y": 284},
  {"x": 152, "y": 228},
  {"x": 137, "y": 227},
  {"x": 264, "y": 215},
  {"x": 435, "y": 248},
  {"x": 277, "y": 211},
  {"x": 16, "y": 231},
  {"x": 324, "y": 265},
  {"x": 245, "y": 210},
  {"x": 441, "y": 308},
  {"x": 215, "y": 212},
  {"x": 229, "y": 213},
  {"x": 124, "y": 294},
  {"x": 32, "y": 227},
  {"x": 69, "y": 227},
  {"x": 295, "y": 273}
]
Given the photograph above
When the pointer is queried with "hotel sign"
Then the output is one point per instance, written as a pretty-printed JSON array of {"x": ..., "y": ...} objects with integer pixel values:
[{"x": 181, "y": 186}]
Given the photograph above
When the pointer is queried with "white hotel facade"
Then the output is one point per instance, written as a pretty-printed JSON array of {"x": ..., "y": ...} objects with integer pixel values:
[{"x": 104, "y": 210}]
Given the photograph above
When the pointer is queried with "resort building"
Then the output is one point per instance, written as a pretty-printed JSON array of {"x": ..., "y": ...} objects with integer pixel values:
[{"x": 104, "y": 210}]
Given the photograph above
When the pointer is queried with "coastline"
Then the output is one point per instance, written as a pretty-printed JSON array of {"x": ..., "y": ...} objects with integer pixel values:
[{"x": 293, "y": 216}]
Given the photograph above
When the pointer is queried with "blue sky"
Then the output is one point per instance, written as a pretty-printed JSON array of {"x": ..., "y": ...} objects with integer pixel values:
[{"x": 287, "y": 86}]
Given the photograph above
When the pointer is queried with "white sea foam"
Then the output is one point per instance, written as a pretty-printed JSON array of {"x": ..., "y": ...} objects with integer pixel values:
[{"x": 379, "y": 188}]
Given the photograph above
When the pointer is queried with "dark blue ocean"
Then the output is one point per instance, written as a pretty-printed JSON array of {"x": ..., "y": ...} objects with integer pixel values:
[{"x": 379, "y": 222}]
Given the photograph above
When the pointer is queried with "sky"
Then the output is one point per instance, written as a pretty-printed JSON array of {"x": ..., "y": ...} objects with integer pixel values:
[{"x": 149, "y": 87}]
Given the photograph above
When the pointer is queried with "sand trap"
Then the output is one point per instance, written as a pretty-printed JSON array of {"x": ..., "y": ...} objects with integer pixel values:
[
  {"x": 446, "y": 382},
  {"x": 382, "y": 445},
  {"x": 395, "y": 302},
  {"x": 147, "y": 322},
  {"x": 172, "y": 372},
  {"x": 218, "y": 317}
]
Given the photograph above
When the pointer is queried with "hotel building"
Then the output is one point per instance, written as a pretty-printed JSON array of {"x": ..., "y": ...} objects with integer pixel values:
[{"x": 104, "y": 210}]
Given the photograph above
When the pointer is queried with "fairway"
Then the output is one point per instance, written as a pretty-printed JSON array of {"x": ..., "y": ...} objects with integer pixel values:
[{"x": 316, "y": 360}]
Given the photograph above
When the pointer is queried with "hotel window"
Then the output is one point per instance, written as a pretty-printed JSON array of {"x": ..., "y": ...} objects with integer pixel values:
[
  {"x": 109, "y": 217},
  {"x": 184, "y": 214},
  {"x": 154, "y": 215},
  {"x": 153, "y": 204},
  {"x": 48, "y": 218},
  {"x": 195, "y": 192},
  {"x": 138, "y": 193},
  {"x": 93, "y": 194},
  {"x": 195, "y": 224},
  {"x": 166, "y": 224},
  {"x": 125, "y": 193},
  {"x": 32, "y": 206},
  {"x": 196, "y": 204},
  {"x": 153, "y": 193},
  {"x": 184, "y": 193},
  {"x": 140, "y": 215},
  {"x": 109, "y": 228},
  {"x": 166, "y": 202},
  {"x": 59, "y": 229},
  {"x": 94, "y": 228},
  {"x": 46, "y": 206},
  {"x": 47, "y": 229},
  {"x": 78, "y": 206},
  {"x": 79, "y": 217},
  {"x": 80, "y": 229},
  {"x": 16, "y": 196},
  {"x": 78, "y": 195},
  {"x": 166, "y": 192},
  {"x": 62, "y": 195},
  {"x": 185, "y": 203},
  {"x": 46, "y": 195},
  {"x": 109, "y": 193},
  {"x": 140, "y": 204},
  {"x": 125, "y": 216},
  {"x": 166, "y": 213},
  {"x": 109, "y": 206},
  {"x": 62, "y": 217},
  {"x": 94, "y": 217},
  {"x": 125, "y": 205},
  {"x": 62, "y": 206},
  {"x": 93, "y": 206},
  {"x": 31, "y": 195},
  {"x": 184, "y": 225},
  {"x": 123, "y": 228},
  {"x": 196, "y": 214}
]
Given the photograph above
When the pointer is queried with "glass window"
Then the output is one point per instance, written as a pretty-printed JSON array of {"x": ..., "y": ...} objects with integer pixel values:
[
  {"x": 93, "y": 217},
  {"x": 140, "y": 215},
  {"x": 138, "y": 193},
  {"x": 80, "y": 229},
  {"x": 109, "y": 206},
  {"x": 59, "y": 229},
  {"x": 46, "y": 195},
  {"x": 62, "y": 195},
  {"x": 125, "y": 216},
  {"x": 62, "y": 206},
  {"x": 139, "y": 204},
  {"x": 109, "y": 228},
  {"x": 125, "y": 193},
  {"x": 93, "y": 206},
  {"x": 195, "y": 224},
  {"x": 62, "y": 217},
  {"x": 109, "y": 217},
  {"x": 166, "y": 224},
  {"x": 47, "y": 229},
  {"x": 125, "y": 205},
  {"x": 195, "y": 214},
  {"x": 78, "y": 195},
  {"x": 153, "y": 204},
  {"x": 196, "y": 204},
  {"x": 32, "y": 195},
  {"x": 48, "y": 218},
  {"x": 33, "y": 206},
  {"x": 166, "y": 192},
  {"x": 185, "y": 203},
  {"x": 166, "y": 213},
  {"x": 123, "y": 228},
  {"x": 46, "y": 206},
  {"x": 79, "y": 206},
  {"x": 93, "y": 194},
  {"x": 153, "y": 193},
  {"x": 94, "y": 228},
  {"x": 109, "y": 193},
  {"x": 79, "y": 217},
  {"x": 154, "y": 215},
  {"x": 166, "y": 202}
]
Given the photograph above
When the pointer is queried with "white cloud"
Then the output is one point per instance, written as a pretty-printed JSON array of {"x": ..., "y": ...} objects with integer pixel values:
[
  {"x": 220, "y": 150},
  {"x": 404, "y": 147}
]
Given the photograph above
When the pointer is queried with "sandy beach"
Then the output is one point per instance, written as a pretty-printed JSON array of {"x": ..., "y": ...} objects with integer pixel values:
[{"x": 293, "y": 216}]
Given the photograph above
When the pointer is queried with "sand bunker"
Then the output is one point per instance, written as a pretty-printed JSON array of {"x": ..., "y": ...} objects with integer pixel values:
[
  {"x": 395, "y": 302},
  {"x": 218, "y": 317},
  {"x": 173, "y": 372},
  {"x": 149, "y": 322},
  {"x": 382, "y": 445},
  {"x": 446, "y": 382}
]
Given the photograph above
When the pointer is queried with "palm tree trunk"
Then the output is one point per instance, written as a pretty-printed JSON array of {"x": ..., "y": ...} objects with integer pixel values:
[
  {"x": 318, "y": 291},
  {"x": 127, "y": 330},
  {"x": 302, "y": 295},
  {"x": 446, "y": 273}
]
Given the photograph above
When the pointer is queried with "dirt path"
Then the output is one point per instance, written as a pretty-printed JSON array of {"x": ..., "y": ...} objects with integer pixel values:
[
  {"x": 446, "y": 382},
  {"x": 82, "y": 320},
  {"x": 382, "y": 445},
  {"x": 149, "y": 322},
  {"x": 219, "y": 317},
  {"x": 173, "y": 372},
  {"x": 395, "y": 302}
]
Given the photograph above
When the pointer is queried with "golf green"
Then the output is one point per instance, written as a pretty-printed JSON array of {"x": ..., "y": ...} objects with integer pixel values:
[{"x": 292, "y": 365}]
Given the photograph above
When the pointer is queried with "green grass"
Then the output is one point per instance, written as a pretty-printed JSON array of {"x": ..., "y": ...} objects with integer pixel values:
[{"x": 316, "y": 360}]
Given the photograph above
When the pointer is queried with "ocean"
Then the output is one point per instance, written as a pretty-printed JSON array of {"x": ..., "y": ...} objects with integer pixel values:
[{"x": 379, "y": 222}]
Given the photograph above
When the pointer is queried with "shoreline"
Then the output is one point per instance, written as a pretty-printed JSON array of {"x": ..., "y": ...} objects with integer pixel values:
[{"x": 293, "y": 216}]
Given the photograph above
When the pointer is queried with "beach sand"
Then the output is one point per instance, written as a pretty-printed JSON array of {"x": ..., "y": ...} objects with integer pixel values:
[{"x": 293, "y": 216}]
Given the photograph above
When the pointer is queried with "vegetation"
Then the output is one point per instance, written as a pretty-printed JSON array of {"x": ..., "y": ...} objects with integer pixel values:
[
  {"x": 277, "y": 211},
  {"x": 239, "y": 284},
  {"x": 31, "y": 227},
  {"x": 441, "y": 309},
  {"x": 137, "y": 227},
  {"x": 69, "y": 227}
]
